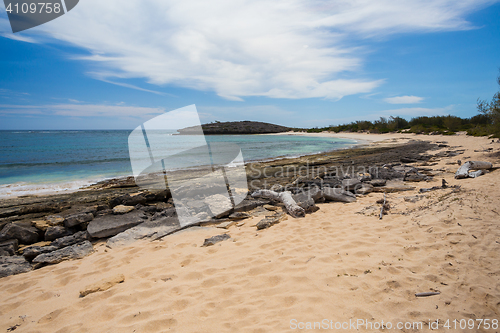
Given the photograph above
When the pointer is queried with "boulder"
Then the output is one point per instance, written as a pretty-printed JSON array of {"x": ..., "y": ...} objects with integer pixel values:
[
  {"x": 40, "y": 224},
  {"x": 339, "y": 195},
  {"x": 169, "y": 212},
  {"x": 150, "y": 230},
  {"x": 350, "y": 184},
  {"x": 70, "y": 240},
  {"x": 121, "y": 209},
  {"x": 103, "y": 212},
  {"x": 219, "y": 205},
  {"x": 9, "y": 246},
  {"x": 110, "y": 225},
  {"x": 32, "y": 252},
  {"x": 378, "y": 182},
  {"x": 363, "y": 189},
  {"x": 215, "y": 239},
  {"x": 13, "y": 265},
  {"x": 4, "y": 253},
  {"x": 161, "y": 206},
  {"x": 118, "y": 200},
  {"x": 53, "y": 233},
  {"x": 23, "y": 233},
  {"x": 76, "y": 251},
  {"x": 136, "y": 199},
  {"x": 77, "y": 219},
  {"x": 54, "y": 220},
  {"x": 269, "y": 221}
]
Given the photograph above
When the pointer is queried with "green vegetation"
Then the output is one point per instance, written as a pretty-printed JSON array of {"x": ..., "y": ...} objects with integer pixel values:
[{"x": 487, "y": 122}]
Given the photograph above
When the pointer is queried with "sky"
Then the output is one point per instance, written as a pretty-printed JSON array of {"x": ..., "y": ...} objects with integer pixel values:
[{"x": 115, "y": 64}]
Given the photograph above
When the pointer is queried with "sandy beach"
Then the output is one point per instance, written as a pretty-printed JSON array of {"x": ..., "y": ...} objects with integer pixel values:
[{"x": 338, "y": 266}]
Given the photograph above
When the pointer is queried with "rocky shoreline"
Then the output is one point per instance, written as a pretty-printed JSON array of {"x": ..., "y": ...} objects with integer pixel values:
[{"x": 36, "y": 231}]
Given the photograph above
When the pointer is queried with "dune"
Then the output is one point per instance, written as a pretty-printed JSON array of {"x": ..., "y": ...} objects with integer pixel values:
[{"x": 339, "y": 268}]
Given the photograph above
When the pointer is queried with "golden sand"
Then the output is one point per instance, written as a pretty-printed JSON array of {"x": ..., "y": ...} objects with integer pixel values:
[{"x": 341, "y": 263}]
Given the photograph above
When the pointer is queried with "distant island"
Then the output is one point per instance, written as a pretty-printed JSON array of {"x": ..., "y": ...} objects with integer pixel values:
[{"x": 236, "y": 127}]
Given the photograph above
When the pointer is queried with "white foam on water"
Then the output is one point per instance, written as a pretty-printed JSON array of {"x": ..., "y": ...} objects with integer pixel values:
[{"x": 22, "y": 189}]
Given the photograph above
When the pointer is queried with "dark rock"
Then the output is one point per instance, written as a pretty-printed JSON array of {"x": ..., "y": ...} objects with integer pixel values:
[
  {"x": 9, "y": 246},
  {"x": 30, "y": 209},
  {"x": 110, "y": 225},
  {"x": 24, "y": 234},
  {"x": 103, "y": 212},
  {"x": 33, "y": 251},
  {"x": 54, "y": 220},
  {"x": 304, "y": 195},
  {"x": 4, "y": 253},
  {"x": 269, "y": 221},
  {"x": 13, "y": 265},
  {"x": 161, "y": 206},
  {"x": 363, "y": 188},
  {"x": 76, "y": 251},
  {"x": 118, "y": 200},
  {"x": 407, "y": 160},
  {"x": 247, "y": 205},
  {"x": 70, "y": 240},
  {"x": 77, "y": 219},
  {"x": 414, "y": 176},
  {"x": 320, "y": 183},
  {"x": 150, "y": 209},
  {"x": 378, "y": 182},
  {"x": 215, "y": 239},
  {"x": 350, "y": 184},
  {"x": 169, "y": 212},
  {"x": 387, "y": 173},
  {"x": 337, "y": 194},
  {"x": 150, "y": 230},
  {"x": 53, "y": 233},
  {"x": 135, "y": 200}
]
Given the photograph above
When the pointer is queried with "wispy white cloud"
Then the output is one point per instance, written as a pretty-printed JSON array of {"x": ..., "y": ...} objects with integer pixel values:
[
  {"x": 241, "y": 48},
  {"x": 404, "y": 100},
  {"x": 18, "y": 37},
  {"x": 81, "y": 110}
]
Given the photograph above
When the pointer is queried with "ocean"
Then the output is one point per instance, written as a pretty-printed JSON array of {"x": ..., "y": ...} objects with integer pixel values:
[{"x": 38, "y": 162}]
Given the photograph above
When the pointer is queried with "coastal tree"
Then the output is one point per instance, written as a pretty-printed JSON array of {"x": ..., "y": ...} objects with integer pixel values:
[{"x": 491, "y": 109}]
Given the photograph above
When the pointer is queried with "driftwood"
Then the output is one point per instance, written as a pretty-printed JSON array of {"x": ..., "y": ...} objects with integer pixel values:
[
  {"x": 426, "y": 294},
  {"x": 382, "y": 208},
  {"x": 463, "y": 171},
  {"x": 285, "y": 197}
]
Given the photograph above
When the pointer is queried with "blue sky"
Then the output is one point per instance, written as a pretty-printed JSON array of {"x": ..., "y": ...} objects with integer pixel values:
[{"x": 117, "y": 63}]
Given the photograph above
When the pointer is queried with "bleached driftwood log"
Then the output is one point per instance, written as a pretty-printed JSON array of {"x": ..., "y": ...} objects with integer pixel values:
[
  {"x": 463, "y": 171},
  {"x": 285, "y": 197}
]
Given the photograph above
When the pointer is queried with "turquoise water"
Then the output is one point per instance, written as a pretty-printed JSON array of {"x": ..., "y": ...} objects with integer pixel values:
[{"x": 30, "y": 161}]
